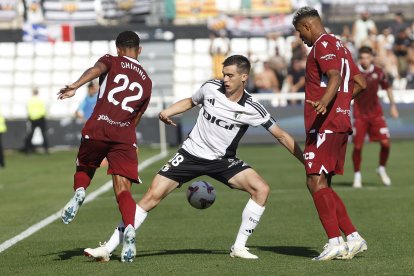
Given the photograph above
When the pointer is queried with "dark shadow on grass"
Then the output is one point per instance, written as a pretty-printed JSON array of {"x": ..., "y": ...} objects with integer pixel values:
[
  {"x": 67, "y": 255},
  {"x": 180, "y": 252},
  {"x": 299, "y": 251},
  {"x": 349, "y": 184}
]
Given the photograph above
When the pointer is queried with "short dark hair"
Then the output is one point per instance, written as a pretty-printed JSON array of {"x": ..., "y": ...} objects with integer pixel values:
[
  {"x": 366, "y": 50},
  {"x": 303, "y": 13},
  {"x": 242, "y": 63},
  {"x": 127, "y": 39}
]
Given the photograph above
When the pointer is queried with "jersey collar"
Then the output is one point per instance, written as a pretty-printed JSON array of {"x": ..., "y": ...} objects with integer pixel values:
[
  {"x": 132, "y": 60},
  {"x": 370, "y": 69}
]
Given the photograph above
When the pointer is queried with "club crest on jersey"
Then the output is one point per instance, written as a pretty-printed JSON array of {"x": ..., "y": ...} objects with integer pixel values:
[
  {"x": 375, "y": 76},
  {"x": 328, "y": 57}
]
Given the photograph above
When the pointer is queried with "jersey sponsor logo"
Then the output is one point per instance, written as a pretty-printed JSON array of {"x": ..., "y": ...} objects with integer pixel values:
[
  {"x": 237, "y": 115},
  {"x": 310, "y": 164},
  {"x": 211, "y": 101},
  {"x": 343, "y": 111},
  {"x": 374, "y": 76},
  {"x": 105, "y": 118},
  {"x": 309, "y": 155},
  {"x": 324, "y": 43},
  {"x": 328, "y": 57},
  {"x": 219, "y": 122}
]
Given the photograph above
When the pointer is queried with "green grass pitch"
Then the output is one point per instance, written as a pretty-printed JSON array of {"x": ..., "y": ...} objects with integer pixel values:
[{"x": 177, "y": 239}]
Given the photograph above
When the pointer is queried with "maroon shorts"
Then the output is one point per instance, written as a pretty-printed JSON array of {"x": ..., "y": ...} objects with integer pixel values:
[
  {"x": 325, "y": 153},
  {"x": 375, "y": 127},
  {"x": 122, "y": 158}
]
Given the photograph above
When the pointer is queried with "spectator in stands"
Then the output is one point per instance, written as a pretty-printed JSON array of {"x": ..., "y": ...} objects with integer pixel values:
[
  {"x": 299, "y": 50},
  {"x": 86, "y": 107},
  {"x": 398, "y": 24},
  {"x": 401, "y": 45},
  {"x": 385, "y": 57},
  {"x": 219, "y": 49},
  {"x": 266, "y": 81},
  {"x": 278, "y": 64},
  {"x": 36, "y": 109},
  {"x": 3, "y": 129},
  {"x": 363, "y": 30},
  {"x": 295, "y": 80},
  {"x": 410, "y": 75}
]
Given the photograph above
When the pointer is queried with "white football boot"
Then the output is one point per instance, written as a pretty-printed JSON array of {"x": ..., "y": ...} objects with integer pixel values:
[
  {"x": 339, "y": 251},
  {"x": 356, "y": 246},
  {"x": 242, "y": 253},
  {"x": 100, "y": 254},
  {"x": 128, "y": 248},
  {"x": 357, "y": 180},
  {"x": 384, "y": 176},
  {"x": 72, "y": 207}
]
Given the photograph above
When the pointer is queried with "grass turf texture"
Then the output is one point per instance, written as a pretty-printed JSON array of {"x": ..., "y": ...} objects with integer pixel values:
[{"x": 177, "y": 239}]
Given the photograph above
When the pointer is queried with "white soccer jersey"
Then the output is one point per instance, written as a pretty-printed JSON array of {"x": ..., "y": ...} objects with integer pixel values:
[{"x": 221, "y": 123}]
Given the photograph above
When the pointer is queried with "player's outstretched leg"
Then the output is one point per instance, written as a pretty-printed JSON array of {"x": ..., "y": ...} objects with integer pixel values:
[
  {"x": 250, "y": 218},
  {"x": 72, "y": 207}
]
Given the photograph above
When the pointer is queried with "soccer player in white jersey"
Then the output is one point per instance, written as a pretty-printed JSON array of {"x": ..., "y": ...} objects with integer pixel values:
[{"x": 227, "y": 110}]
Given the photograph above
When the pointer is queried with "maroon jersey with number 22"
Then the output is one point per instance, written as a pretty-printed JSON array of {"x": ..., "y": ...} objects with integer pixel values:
[
  {"x": 329, "y": 53},
  {"x": 124, "y": 91}
]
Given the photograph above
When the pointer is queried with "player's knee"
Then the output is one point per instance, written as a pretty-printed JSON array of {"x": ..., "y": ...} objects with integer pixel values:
[{"x": 385, "y": 143}]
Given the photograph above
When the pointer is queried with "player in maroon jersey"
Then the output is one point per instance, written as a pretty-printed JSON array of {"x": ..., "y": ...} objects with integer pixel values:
[
  {"x": 124, "y": 94},
  {"x": 368, "y": 116},
  {"x": 332, "y": 79}
]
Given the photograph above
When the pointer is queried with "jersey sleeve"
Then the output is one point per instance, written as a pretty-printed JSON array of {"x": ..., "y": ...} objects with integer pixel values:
[
  {"x": 326, "y": 55},
  {"x": 106, "y": 59},
  {"x": 258, "y": 115},
  {"x": 383, "y": 80},
  {"x": 198, "y": 96}
]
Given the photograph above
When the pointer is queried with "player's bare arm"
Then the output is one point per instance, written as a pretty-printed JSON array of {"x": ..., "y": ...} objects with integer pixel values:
[
  {"x": 393, "y": 107},
  {"x": 174, "y": 109},
  {"x": 359, "y": 85},
  {"x": 287, "y": 141},
  {"x": 334, "y": 81},
  {"x": 87, "y": 76}
]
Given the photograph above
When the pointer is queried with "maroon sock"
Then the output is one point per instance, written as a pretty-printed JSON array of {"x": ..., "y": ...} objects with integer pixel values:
[
  {"x": 384, "y": 153},
  {"x": 325, "y": 205},
  {"x": 344, "y": 220},
  {"x": 81, "y": 180},
  {"x": 127, "y": 206},
  {"x": 356, "y": 159}
]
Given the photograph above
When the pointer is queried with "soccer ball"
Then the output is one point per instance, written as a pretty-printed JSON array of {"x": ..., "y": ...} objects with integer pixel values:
[{"x": 201, "y": 194}]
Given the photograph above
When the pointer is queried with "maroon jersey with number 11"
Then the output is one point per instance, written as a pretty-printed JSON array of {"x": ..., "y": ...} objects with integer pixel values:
[
  {"x": 329, "y": 53},
  {"x": 124, "y": 91}
]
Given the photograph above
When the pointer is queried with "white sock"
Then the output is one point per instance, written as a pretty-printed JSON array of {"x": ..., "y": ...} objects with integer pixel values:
[
  {"x": 381, "y": 169},
  {"x": 140, "y": 216},
  {"x": 336, "y": 240},
  {"x": 116, "y": 238},
  {"x": 353, "y": 236},
  {"x": 357, "y": 175},
  {"x": 250, "y": 218}
]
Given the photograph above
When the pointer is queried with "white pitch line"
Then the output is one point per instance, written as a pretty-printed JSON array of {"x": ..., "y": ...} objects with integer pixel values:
[{"x": 90, "y": 197}]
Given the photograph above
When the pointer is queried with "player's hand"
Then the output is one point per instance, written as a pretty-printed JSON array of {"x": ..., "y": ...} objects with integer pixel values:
[
  {"x": 318, "y": 107},
  {"x": 66, "y": 92},
  {"x": 394, "y": 111},
  {"x": 163, "y": 117}
]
